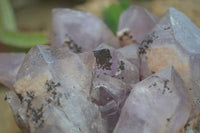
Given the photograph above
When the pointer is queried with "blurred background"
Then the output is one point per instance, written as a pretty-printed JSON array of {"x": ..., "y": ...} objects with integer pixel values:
[{"x": 30, "y": 20}]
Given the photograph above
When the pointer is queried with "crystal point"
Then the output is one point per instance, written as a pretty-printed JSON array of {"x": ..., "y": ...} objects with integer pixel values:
[
  {"x": 111, "y": 62},
  {"x": 53, "y": 86},
  {"x": 158, "y": 104},
  {"x": 109, "y": 94},
  {"x": 138, "y": 21},
  {"x": 175, "y": 40},
  {"x": 130, "y": 53},
  {"x": 79, "y": 31}
]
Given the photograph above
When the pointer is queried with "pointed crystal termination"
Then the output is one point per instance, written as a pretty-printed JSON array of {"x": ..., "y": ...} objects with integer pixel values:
[
  {"x": 138, "y": 22},
  {"x": 158, "y": 104},
  {"x": 175, "y": 40},
  {"x": 9, "y": 66},
  {"x": 79, "y": 31},
  {"x": 130, "y": 52},
  {"x": 53, "y": 88},
  {"x": 109, "y": 94},
  {"x": 109, "y": 61}
]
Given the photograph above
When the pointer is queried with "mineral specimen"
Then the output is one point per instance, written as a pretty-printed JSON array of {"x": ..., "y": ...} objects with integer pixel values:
[
  {"x": 9, "y": 66},
  {"x": 53, "y": 87},
  {"x": 57, "y": 91},
  {"x": 135, "y": 23},
  {"x": 175, "y": 40},
  {"x": 79, "y": 31},
  {"x": 81, "y": 82},
  {"x": 158, "y": 104}
]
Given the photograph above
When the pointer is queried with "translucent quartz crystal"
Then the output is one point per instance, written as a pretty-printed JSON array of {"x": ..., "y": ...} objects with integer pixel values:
[
  {"x": 130, "y": 52},
  {"x": 106, "y": 60},
  {"x": 175, "y": 40},
  {"x": 111, "y": 62},
  {"x": 109, "y": 94},
  {"x": 53, "y": 88},
  {"x": 158, "y": 104},
  {"x": 9, "y": 66},
  {"x": 109, "y": 90},
  {"x": 79, "y": 31},
  {"x": 138, "y": 21},
  {"x": 59, "y": 91},
  {"x": 81, "y": 86}
]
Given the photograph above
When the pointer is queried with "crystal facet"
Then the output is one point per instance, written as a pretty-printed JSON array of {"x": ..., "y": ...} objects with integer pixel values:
[
  {"x": 175, "y": 40},
  {"x": 111, "y": 62},
  {"x": 109, "y": 94},
  {"x": 158, "y": 104},
  {"x": 59, "y": 91},
  {"x": 130, "y": 52},
  {"x": 9, "y": 66},
  {"x": 54, "y": 87},
  {"x": 79, "y": 30},
  {"x": 138, "y": 21}
]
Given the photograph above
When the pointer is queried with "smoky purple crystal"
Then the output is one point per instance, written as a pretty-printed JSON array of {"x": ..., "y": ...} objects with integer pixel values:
[
  {"x": 80, "y": 31},
  {"x": 158, "y": 104},
  {"x": 175, "y": 40}
]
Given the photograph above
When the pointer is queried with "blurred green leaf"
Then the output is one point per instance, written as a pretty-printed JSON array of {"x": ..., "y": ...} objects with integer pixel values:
[
  {"x": 7, "y": 16},
  {"x": 1, "y": 23},
  {"x": 8, "y": 34},
  {"x": 124, "y": 4},
  {"x": 22, "y": 40},
  {"x": 112, "y": 13}
]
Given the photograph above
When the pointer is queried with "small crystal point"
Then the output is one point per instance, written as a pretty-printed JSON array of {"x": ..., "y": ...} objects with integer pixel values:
[
  {"x": 109, "y": 94},
  {"x": 130, "y": 52},
  {"x": 110, "y": 61},
  {"x": 136, "y": 20}
]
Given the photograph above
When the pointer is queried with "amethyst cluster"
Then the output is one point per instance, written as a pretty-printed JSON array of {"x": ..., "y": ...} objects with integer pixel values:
[{"x": 145, "y": 80}]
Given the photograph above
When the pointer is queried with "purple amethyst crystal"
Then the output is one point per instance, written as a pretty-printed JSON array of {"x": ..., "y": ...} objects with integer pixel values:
[
  {"x": 9, "y": 66},
  {"x": 59, "y": 91},
  {"x": 130, "y": 52},
  {"x": 80, "y": 84},
  {"x": 79, "y": 31},
  {"x": 135, "y": 23},
  {"x": 158, "y": 104},
  {"x": 111, "y": 62},
  {"x": 53, "y": 88},
  {"x": 175, "y": 40},
  {"x": 106, "y": 60},
  {"x": 109, "y": 94}
]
